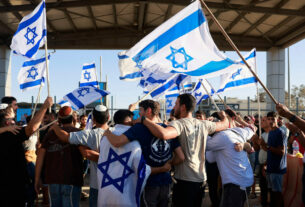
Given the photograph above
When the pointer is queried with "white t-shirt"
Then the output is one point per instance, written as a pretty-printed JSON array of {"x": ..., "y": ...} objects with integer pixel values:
[
  {"x": 234, "y": 167},
  {"x": 262, "y": 156}
]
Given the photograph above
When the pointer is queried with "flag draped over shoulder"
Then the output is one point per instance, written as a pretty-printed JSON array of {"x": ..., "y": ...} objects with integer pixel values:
[
  {"x": 182, "y": 44},
  {"x": 31, "y": 33},
  {"x": 241, "y": 76},
  {"x": 88, "y": 77},
  {"x": 85, "y": 95},
  {"x": 200, "y": 93},
  {"x": 122, "y": 173},
  {"x": 32, "y": 74}
]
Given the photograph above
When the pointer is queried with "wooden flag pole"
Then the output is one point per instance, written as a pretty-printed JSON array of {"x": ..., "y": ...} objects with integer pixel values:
[
  {"x": 259, "y": 113},
  {"x": 236, "y": 49},
  {"x": 209, "y": 96},
  {"x": 47, "y": 68},
  {"x": 98, "y": 85},
  {"x": 217, "y": 94},
  {"x": 35, "y": 106}
]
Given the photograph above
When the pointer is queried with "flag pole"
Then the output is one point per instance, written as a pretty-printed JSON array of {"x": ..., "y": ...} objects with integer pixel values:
[
  {"x": 237, "y": 51},
  {"x": 209, "y": 96},
  {"x": 98, "y": 85},
  {"x": 47, "y": 68},
  {"x": 217, "y": 94},
  {"x": 259, "y": 113},
  {"x": 35, "y": 106}
]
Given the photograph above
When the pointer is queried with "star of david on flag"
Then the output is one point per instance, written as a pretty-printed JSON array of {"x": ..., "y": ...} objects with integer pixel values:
[
  {"x": 182, "y": 44},
  {"x": 31, "y": 33},
  {"x": 88, "y": 76},
  {"x": 200, "y": 93},
  {"x": 240, "y": 77},
  {"x": 32, "y": 74},
  {"x": 83, "y": 96}
]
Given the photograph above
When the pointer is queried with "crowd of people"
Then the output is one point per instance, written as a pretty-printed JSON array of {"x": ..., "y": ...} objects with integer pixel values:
[{"x": 183, "y": 156}]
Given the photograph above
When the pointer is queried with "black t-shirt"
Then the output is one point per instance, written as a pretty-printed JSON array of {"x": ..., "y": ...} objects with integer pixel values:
[{"x": 13, "y": 164}]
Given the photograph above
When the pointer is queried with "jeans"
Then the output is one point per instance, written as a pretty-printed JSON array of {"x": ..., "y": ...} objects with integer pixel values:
[
  {"x": 155, "y": 196},
  {"x": 64, "y": 195},
  {"x": 93, "y": 194}
]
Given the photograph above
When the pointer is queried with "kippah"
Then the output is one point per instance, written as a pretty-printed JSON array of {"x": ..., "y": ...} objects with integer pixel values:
[
  {"x": 3, "y": 106},
  {"x": 101, "y": 108},
  {"x": 65, "y": 112}
]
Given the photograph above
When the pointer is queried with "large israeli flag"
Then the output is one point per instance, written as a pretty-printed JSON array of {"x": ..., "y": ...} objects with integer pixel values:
[
  {"x": 122, "y": 173},
  {"x": 31, "y": 33},
  {"x": 32, "y": 74},
  {"x": 182, "y": 44},
  {"x": 240, "y": 77},
  {"x": 88, "y": 77},
  {"x": 85, "y": 95},
  {"x": 200, "y": 93}
]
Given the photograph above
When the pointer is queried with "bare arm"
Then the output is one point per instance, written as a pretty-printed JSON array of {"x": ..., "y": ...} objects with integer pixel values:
[
  {"x": 165, "y": 168},
  {"x": 116, "y": 141},
  {"x": 61, "y": 134},
  {"x": 178, "y": 156},
  {"x": 12, "y": 128},
  {"x": 280, "y": 150},
  {"x": 159, "y": 131},
  {"x": 38, "y": 167},
  {"x": 294, "y": 129},
  {"x": 223, "y": 124},
  {"x": 34, "y": 124},
  {"x": 285, "y": 112},
  {"x": 89, "y": 153}
]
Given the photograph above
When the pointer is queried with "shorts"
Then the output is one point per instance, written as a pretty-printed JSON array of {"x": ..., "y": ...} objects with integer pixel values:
[{"x": 275, "y": 181}]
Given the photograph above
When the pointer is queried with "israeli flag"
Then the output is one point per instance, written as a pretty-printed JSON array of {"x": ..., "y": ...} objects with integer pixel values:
[
  {"x": 127, "y": 71},
  {"x": 122, "y": 172},
  {"x": 85, "y": 95},
  {"x": 88, "y": 77},
  {"x": 170, "y": 101},
  {"x": 240, "y": 77},
  {"x": 200, "y": 93},
  {"x": 89, "y": 124},
  {"x": 31, "y": 33},
  {"x": 182, "y": 44},
  {"x": 32, "y": 74},
  {"x": 63, "y": 103}
]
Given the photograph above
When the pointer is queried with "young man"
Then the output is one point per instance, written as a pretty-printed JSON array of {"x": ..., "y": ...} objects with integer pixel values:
[
  {"x": 200, "y": 115},
  {"x": 157, "y": 154},
  {"x": 90, "y": 139},
  {"x": 14, "y": 172},
  {"x": 192, "y": 134},
  {"x": 83, "y": 121},
  {"x": 234, "y": 167},
  {"x": 276, "y": 159},
  {"x": 11, "y": 101},
  {"x": 63, "y": 165}
]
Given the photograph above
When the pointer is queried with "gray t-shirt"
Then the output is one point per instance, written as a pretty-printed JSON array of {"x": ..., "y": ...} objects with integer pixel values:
[
  {"x": 91, "y": 139},
  {"x": 192, "y": 135}
]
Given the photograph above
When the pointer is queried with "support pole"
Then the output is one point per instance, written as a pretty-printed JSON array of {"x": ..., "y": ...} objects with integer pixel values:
[
  {"x": 224, "y": 103},
  {"x": 288, "y": 68},
  {"x": 209, "y": 96},
  {"x": 237, "y": 51},
  {"x": 38, "y": 96},
  {"x": 47, "y": 68},
  {"x": 259, "y": 113}
]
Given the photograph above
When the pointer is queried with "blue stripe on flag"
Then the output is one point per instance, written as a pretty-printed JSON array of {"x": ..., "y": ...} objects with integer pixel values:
[
  {"x": 62, "y": 102},
  {"x": 132, "y": 76},
  {"x": 93, "y": 83},
  {"x": 252, "y": 55},
  {"x": 102, "y": 92},
  {"x": 141, "y": 173},
  {"x": 88, "y": 66},
  {"x": 31, "y": 20},
  {"x": 162, "y": 88},
  {"x": 34, "y": 62},
  {"x": 75, "y": 100},
  {"x": 238, "y": 83},
  {"x": 123, "y": 56},
  {"x": 31, "y": 84},
  {"x": 210, "y": 67},
  {"x": 34, "y": 49},
  {"x": 171, "y": 95},
  {"x": 183, "y": 27}
]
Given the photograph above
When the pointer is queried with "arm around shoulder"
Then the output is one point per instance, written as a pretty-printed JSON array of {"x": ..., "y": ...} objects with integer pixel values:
[{"x": 160, "y": 132}]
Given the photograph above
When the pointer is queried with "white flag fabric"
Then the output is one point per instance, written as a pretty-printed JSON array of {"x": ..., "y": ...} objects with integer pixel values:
[
  {"x": 31, "y": 33},
  {"x": 32, "y": 74},
  {"x": 88, "y": 77},
  {"x": 182, "y": 44},
  {"x": 127, "y": 71},
  {"x": 122, "y": 173},
  {"x": 200, "y": 93},
  {"x": 89, "y": 124},
  {"x": 63, "y": 103},
  {"x": 85, "y": 95},
  {"x": 241, "y": 77}
]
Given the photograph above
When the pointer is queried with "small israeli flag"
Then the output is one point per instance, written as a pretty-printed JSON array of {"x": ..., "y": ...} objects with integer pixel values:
[
  {"x": 240, "y": 77},
  {"x": 32, "y": 74},
  {"x": 88, "y": 77},
  {"x": 85, "y": 95},
  {"x": 200, "y": 93},
  {"x": 31, "y": 33},
  {"x": 89, "y": 124},
  {"x": 170, "y": 101},
  {"x": 183, "y": 44}
]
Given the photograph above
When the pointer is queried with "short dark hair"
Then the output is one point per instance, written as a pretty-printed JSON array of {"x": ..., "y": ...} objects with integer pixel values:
[
  {"x": 100, "y": 117},
  {"x": 215, "y": 115},
  {"x": 84, "y": 115},
  {"x": 121, "y": 115},
  {"x": 188, "y": 100},
  {"x": 66, "y": 120},
  {"x": 200, "y": 112},
  {"x": 154, "y": 105},
  {"x": 272, "y": 114},
  {"x": 8, "y": 99},
  {"x": 230, "y": 113}
]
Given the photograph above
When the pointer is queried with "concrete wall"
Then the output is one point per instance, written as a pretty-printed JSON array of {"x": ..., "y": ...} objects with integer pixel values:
[{"x": 5, "y": 72}]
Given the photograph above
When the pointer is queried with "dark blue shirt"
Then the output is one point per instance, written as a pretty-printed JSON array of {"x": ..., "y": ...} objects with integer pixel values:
[
  {"x": 276, "y": 163},
  {"x": 156, "y": 152}
]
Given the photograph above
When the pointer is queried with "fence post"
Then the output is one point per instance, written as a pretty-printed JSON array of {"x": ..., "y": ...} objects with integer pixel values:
[
  {"x": 248, "y": 105},
  {"x": 111, "y": 107},
  {"x": 297, "y": 105}
]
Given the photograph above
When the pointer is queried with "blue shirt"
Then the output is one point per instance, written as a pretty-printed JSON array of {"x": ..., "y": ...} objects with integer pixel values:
[
  {"x": 156, "y": 152},
  {"x": 276, "y": 163}
]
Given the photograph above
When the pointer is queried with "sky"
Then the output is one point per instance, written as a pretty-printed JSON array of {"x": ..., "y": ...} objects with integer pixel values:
[{"x": 65, "y": 71}]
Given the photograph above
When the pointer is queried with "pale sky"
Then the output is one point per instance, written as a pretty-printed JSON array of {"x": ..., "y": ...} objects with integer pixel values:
[{"x": 65, "y": 71}]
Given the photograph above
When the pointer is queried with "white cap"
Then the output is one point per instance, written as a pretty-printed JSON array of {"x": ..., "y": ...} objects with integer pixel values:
[
  {"x": 101, "y": 108},
  {"x": 3, "y": 106}
]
